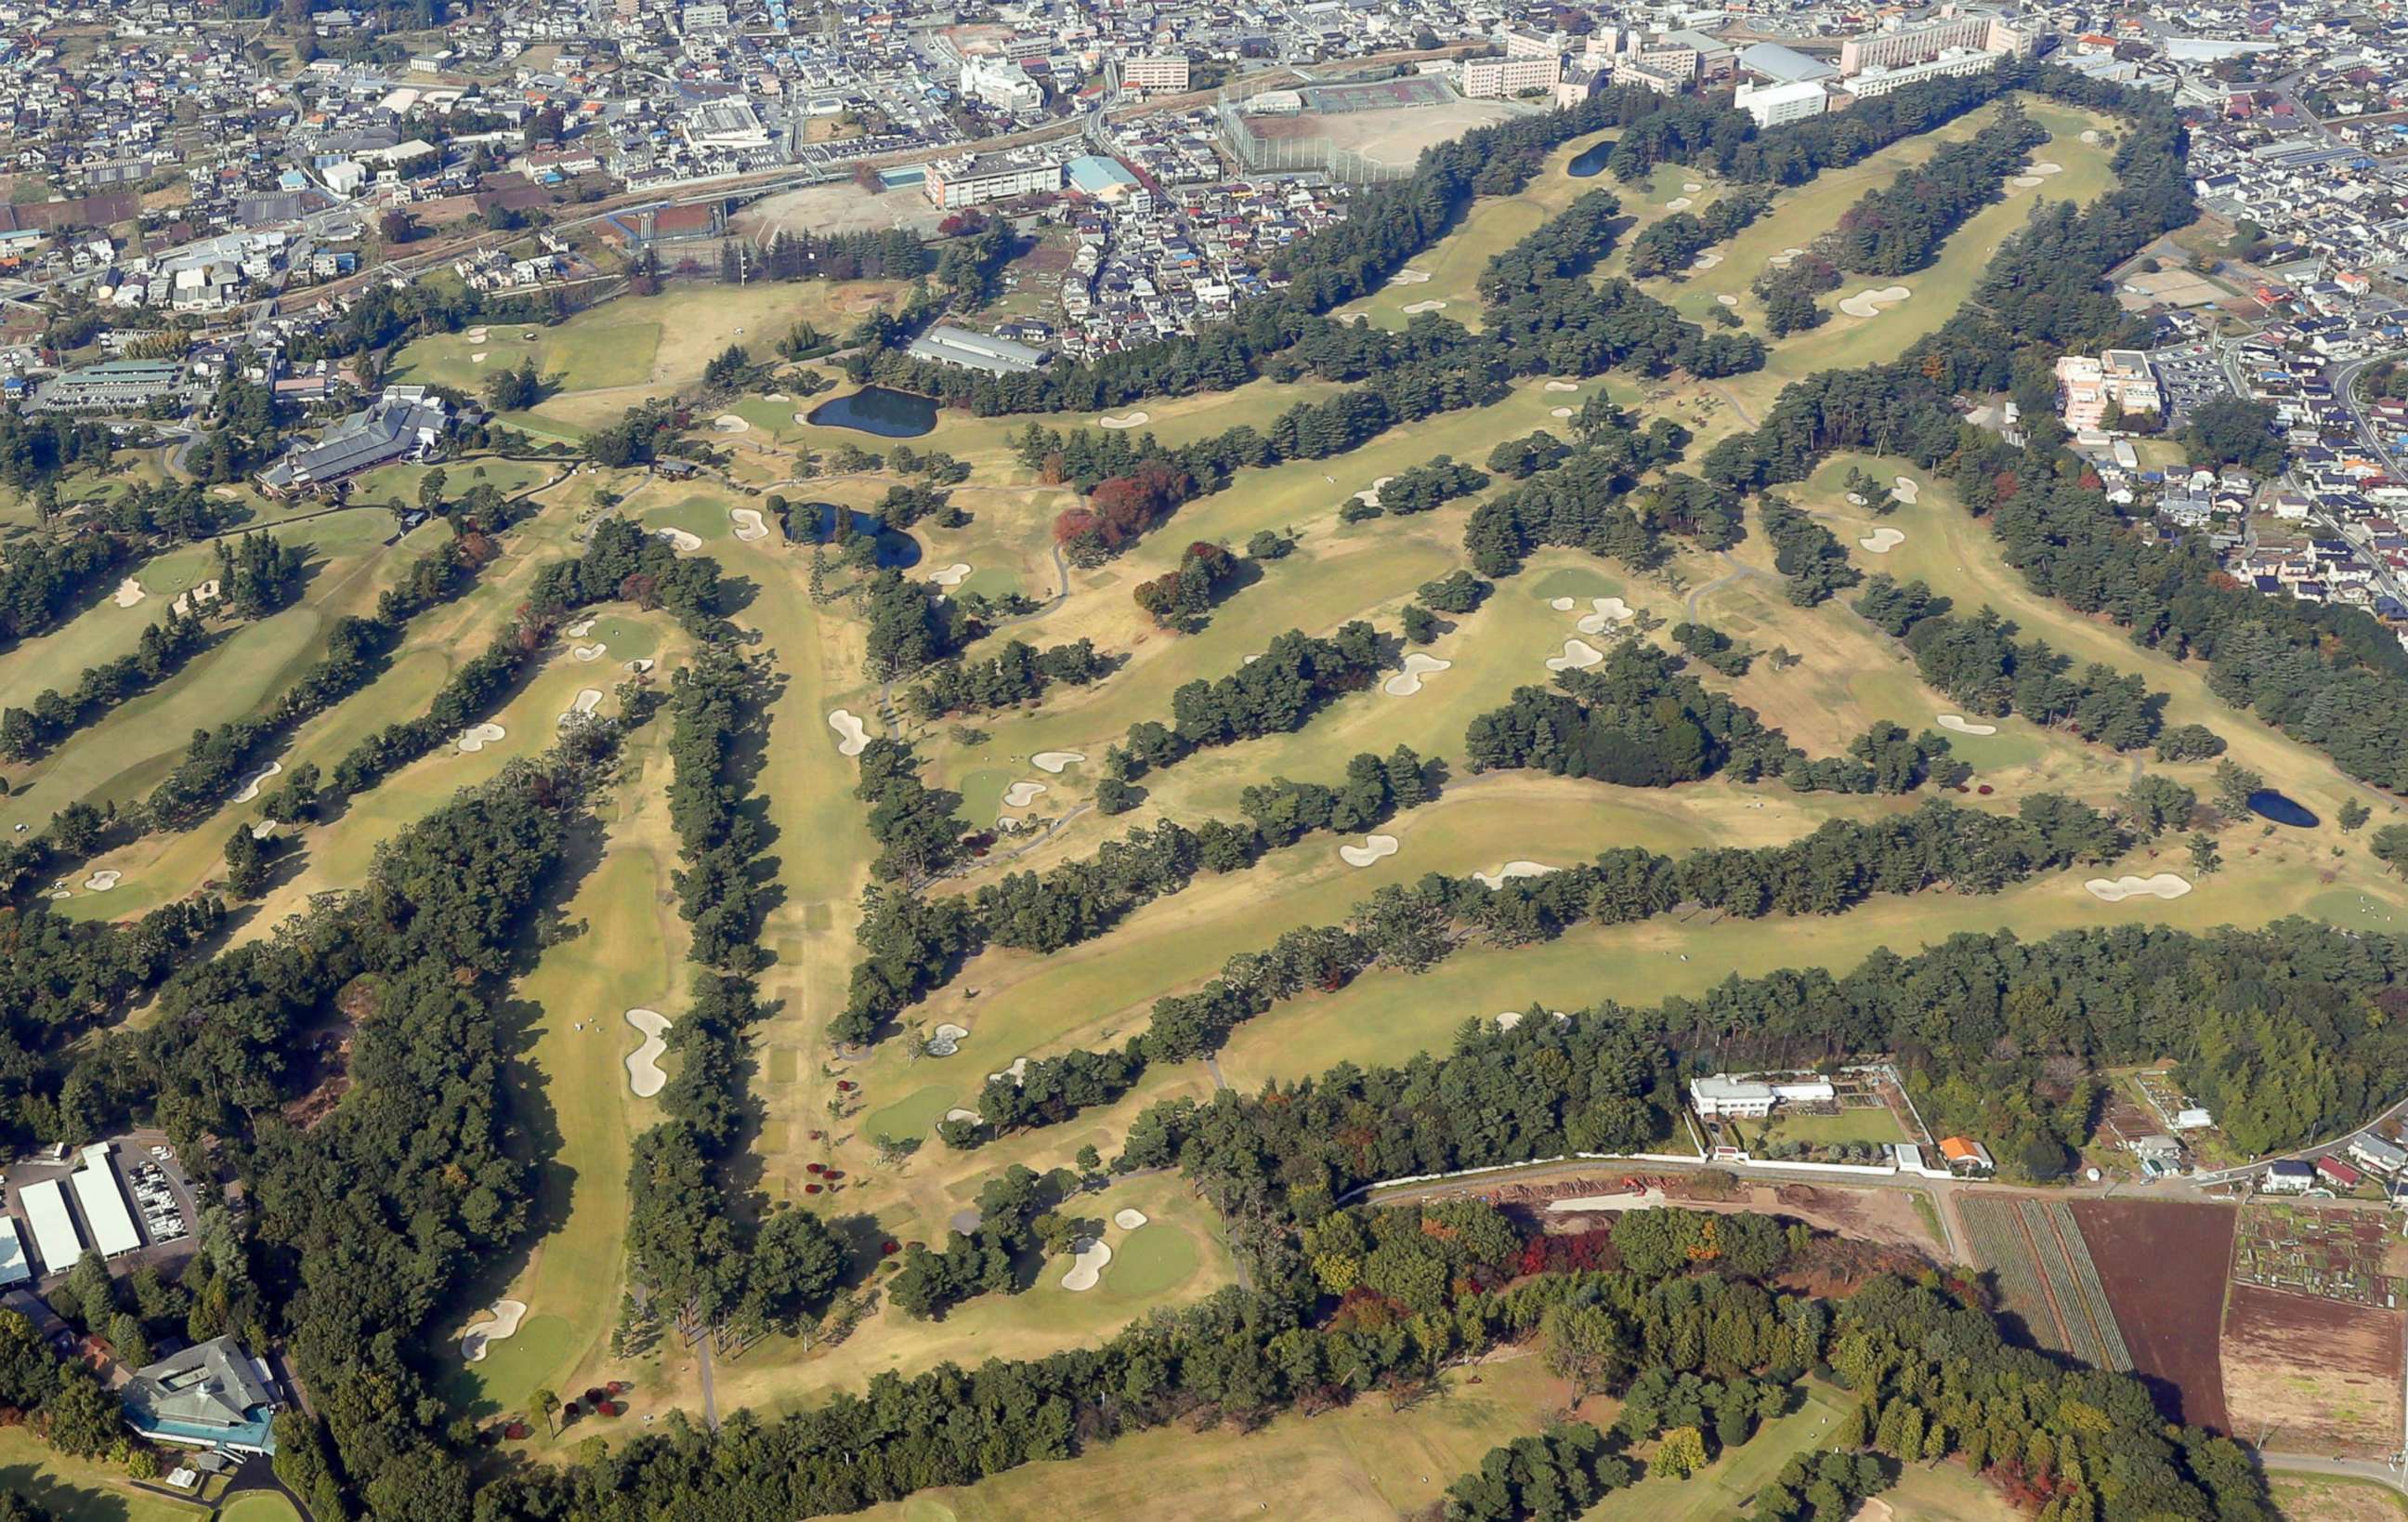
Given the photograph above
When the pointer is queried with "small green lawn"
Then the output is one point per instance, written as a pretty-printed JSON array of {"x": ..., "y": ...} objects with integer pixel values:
[
  {"x": 258, "y": 1507},
  {"x": 73, "y": 1490},
  {"x": 1859, "y": 1125}
]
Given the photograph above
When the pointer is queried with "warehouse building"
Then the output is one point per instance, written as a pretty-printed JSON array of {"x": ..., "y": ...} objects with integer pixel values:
[
  {"x": 56, "y": 1240},
  {"x": 951, "y": 345},
  {"x": 15, "y": 1268},
  {"x": 114, "y": 384},
  {"x": 104, "y": 1204}
]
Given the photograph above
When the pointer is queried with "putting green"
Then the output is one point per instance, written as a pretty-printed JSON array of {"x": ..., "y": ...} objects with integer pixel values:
[
  {"x": 258, "y": 1507},
  {"x": 1578, "y": 581},
  {"x": 1155, "y": 1258},
  {"x": 515, "y": 1368},
  {"x": 917, "y": 1112}
]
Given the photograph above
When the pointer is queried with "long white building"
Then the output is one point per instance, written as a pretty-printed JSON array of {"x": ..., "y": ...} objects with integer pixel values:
[
  {"x": 104, "y": 1204},
  {"x": 56, "y": 1240}
]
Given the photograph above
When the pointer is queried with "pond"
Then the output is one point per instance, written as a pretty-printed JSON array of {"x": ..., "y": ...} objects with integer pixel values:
[
  {"x": 897, "y": 551},
  {"x": 2281, "y": 809},
  {"x": 1592, "y": 161},
  {"x": 881, "y": 410}
]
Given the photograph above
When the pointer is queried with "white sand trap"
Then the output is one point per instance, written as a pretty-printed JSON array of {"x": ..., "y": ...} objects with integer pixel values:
[
  {"x": 728, "y": 423},
  {"x": 1963, "y": 725},
  {"x": 264, "y": 830},
  {"x": 587, "y": 699},
  {"x": 1609, "y": 611},
  {"x": 499, "y": 1324},
  {"x": 852, "y": 739},
  {"x": 1707, "y": 260},
  {"x": 2115, "y": 890},
  {"x": 1869, "y": 301},
  {"x": 1017, "y": 1073},
  {"x": 686, "y": 543},
  {"x": 1512, "y": 869},
  {"x": 251, "y": 784},
  {"x": 479, "y": 359},
  {"x": 1087, "y": 1269},
  {"x": 1410, "y": 276},
  {"x": 957, "y": 1113},
  {"x": 1054, "y": 761},
  {"x": 952, "y": 575},
  {"x": 1578, "y": 655},
  {"x": 103, "y": 881},
  {"x": 1678, "y": 203},
  {"x": 640, "y": 665},
  {"x": 129, "y": 591},
  {"x": 200, "y": 596},
  {"x": 1138, "y": 419},
  {"x": 1559, "y": 412},
  {"x": 945, "y": 1040},
  {"x": 1563, "y": 605},
  {"x": 1414, "y": 309},
  {"x": 773, "y": 397},
  {"x": 1880, "y": 542},
  {"x": 478, "y": 735},
  {"x": 802, "y": 417},
  {"x": 1906, "y": 488},
  {"x": 1020, "y": 794},
  {"x": 1371, "y": 850},
  {"x": 644, "y": 1075},
  {"x": 1408, "y": 681},
  {"x": 1727, "y": 299},
  {"x": 750, "y": 526},
  {"x": 2024, "y": 182},
  {"x": 1561, "y": 386},
  {"x": 588, "y": 652},
  {"x": 1127, "y": 1219},
  {"x": 1252, "y": 659},
  {"x": 1691, "y": 186},
  {"x": 2048, "y": 166},
  {"x": 580, "y": 630},
  {"x": 1857, "y": 500},
  {"x": 1791, "y": 253},
  {"x": 2091, "y": 134},
  {"x": 1510, "y": 1019}
]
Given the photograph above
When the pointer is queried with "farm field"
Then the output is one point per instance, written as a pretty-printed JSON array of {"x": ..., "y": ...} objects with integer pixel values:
[
  {"x": 2302, "y": 1497},
  {"x": 2158, "y": 1262},
  {"x": 2308, "y": 1375},
  {"x": 2045, "y": 1275}
]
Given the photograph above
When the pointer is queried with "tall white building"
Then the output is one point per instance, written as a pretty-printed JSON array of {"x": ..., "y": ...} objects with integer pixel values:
[
  {"x": 1000, "y": 83},
  {"x": 1774, "y": 104},
  {"x": 1500, "y": 79},
  {"x": 1156, "y": 76}
]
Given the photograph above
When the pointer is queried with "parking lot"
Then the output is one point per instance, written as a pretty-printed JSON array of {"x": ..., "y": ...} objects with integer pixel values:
[
  {"x": 2192, "y": 377},
  {"x": 152, "y": 1182}
]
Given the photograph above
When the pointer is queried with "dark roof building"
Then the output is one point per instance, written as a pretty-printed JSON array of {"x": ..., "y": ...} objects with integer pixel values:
[
  {"x": 399, "y": 425},
  {"x": 211, "y": 1395}
]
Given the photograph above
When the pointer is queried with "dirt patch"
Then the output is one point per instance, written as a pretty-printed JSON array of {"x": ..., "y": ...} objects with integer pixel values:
[
  {"x": 1884, "y": 1218},
  {"x": 2162, "y": 1266},
  {"x": 2319, "y": 1377}
]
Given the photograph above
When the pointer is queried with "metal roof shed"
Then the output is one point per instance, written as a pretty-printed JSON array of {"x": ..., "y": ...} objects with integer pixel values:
[
  {"x": 104, "y": 1204},
  {"x": 14, "y": 1267},
  {"x": 56, "y": 1238}
]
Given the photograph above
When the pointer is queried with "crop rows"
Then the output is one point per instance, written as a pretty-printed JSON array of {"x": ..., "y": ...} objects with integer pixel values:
[
  {"x": 1998, "y": 1243},
  {"x": 2074, "y": 1285}
]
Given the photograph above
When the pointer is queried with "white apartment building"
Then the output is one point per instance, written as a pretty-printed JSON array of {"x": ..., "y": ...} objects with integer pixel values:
[
  {"x": 974, "y": 181},
  {"x": 2085, "y": 387},
  {"x": 1775, "y": 104},
  {"x": 1884, "y": 80},
  {"x": 1156, "y": 74},
  {"x": 1000, "y": 83},
  {"x": 1908, "y": 45},
  {"x": 1626, "y": 72},
  {"x": 1500, "y": 79}
]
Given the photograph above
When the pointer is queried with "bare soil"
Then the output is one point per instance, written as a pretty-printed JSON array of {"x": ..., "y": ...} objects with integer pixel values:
[
  {"x": 2312, "y": 1376},
  {"x": 2163, "y": 1266}
]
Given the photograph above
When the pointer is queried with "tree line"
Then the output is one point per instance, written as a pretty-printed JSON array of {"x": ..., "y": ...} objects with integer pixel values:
[
  {"x": 1899, "y": 226},
  {"x": 1671, "y": 245},
  {"x": 27, "y": 733}
]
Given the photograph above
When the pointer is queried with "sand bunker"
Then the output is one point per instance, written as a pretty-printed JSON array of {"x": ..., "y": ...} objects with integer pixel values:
[
  {"x": 2048, "y": 166},
  {"x": 1609, "y": 612},
  {"x": 478, "y": 735},
  {"x": 1414, "y": 309},
  {"x": 2091, "y": 134},
  {"x": 249, "y": 788},
  {"x": 2023, "y": 181},
  {"x": 200, "y": 596},
  {"x": 103, "y": 881},
  {"x": 479, "y": 359},
  {"x": 580, "y": 630},
  {"x": 1561, "y": 386},
  {"x": 1409, "y": 681},
  {"x": 1559, "y": 412},
  {"x": 750, "y": 526},
  {"x": 802, "y": 417},
  {"x": 129, "y": 591},
  {"x": 1880, "y": 542},
  {"x": 1020, "y": 794},
  {"x": 2115, "y": 890},
  {"x": 1858, "y": 499},
  {"x": 1410, "y": 276},
  {"x": 644, "y": 1075},
  {"x": 1563, "y": 605},
  {"x": 1371, "y": 850},
  {"x": 1906, "y": 488},
  {"x": 640, "y": 665},
  {"x": 852, "y": 739},
  {"x": 1727, "y": 299},
  {"x": 265, "y": 829},
  {"x": 1017, "y": 1071},
  {"x": 728, "y": 423},
  {"x": 952, "y": 575},
  {"x": 587, "y": 699},
  {"x": 1869, "y": 301},
  {"x": 685, "y": 544},
  {"x": 1054, "y": 761},
  {"x": 945, "y": 1040},
  {"x": 499, "y": 1325},
  {"x": 1088, "y": 1267},
  {"x": 1127, "y": 1219},
  {"x": 1133, "y": 420},
  {"x": 1578, "y": 655},
  {"x": 1961, "y": 725},
  {"x": 1512, "y": 869},
  {"x": 958, "y": 1114},
  {"x": 1708, "y": 260},
  {"x": 1691, "y": 186},
  {"x": 588, "y": 652},
  {"x": 1510, "y": 1019},
  {"x": 1678, "y": 203}
]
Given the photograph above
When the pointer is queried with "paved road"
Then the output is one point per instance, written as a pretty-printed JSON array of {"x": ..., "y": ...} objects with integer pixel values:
[{"x": 2355, "y": 1468}]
